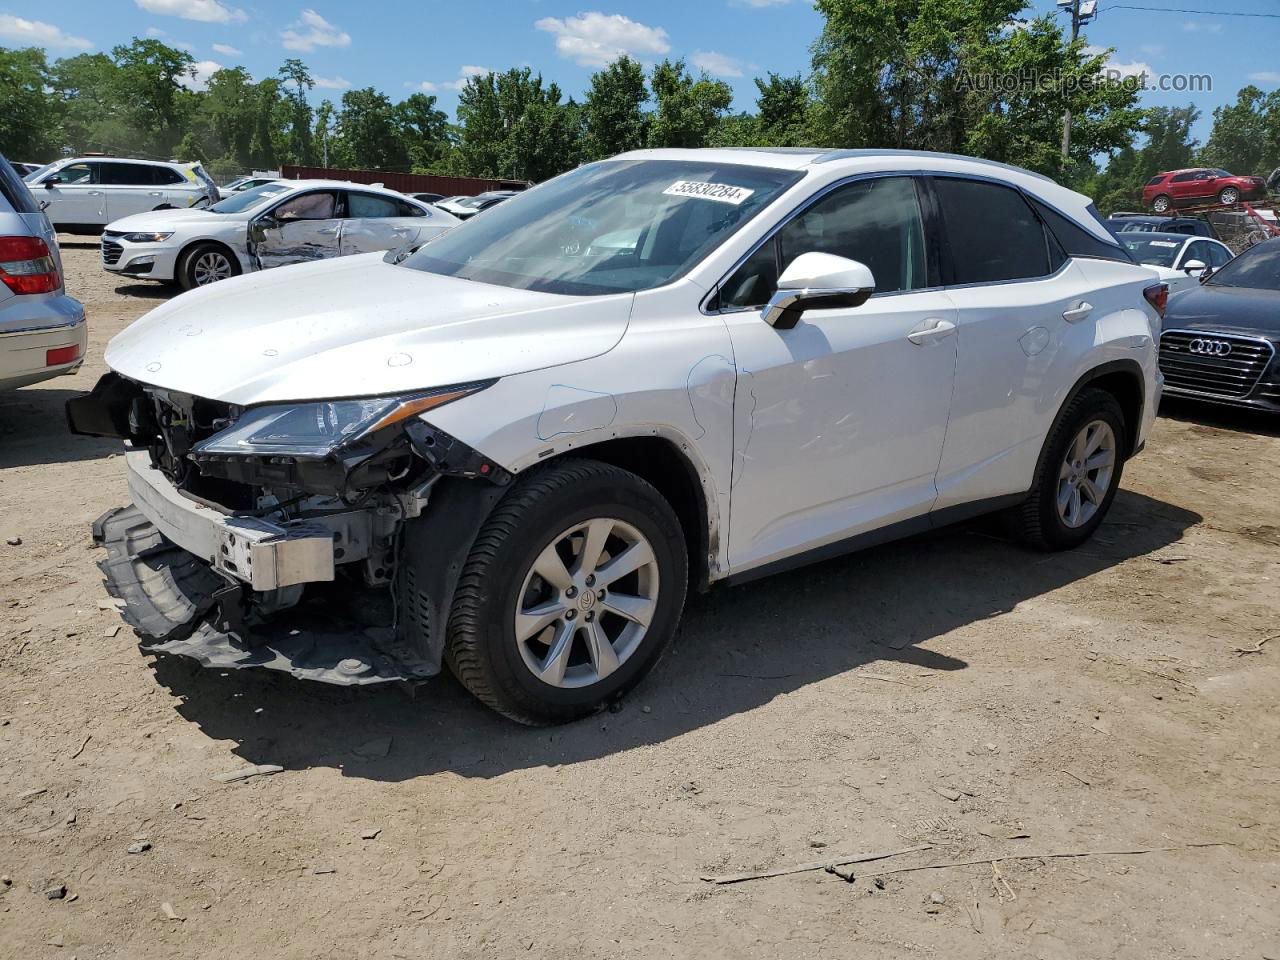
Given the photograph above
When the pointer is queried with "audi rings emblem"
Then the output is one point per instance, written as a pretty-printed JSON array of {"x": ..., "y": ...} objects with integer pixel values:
[{"x": 1210, "y": 348}]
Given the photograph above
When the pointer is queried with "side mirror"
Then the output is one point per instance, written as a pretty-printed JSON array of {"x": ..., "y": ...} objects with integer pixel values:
[
  {"x": 1194, "y": 266},
  {"x": 52, "y": 182},
  {"x": 1204, "y": 276},
  {"x": 815, "y": 281}
]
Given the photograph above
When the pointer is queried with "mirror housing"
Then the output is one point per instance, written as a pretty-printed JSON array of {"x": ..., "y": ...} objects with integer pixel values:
[
  {"x": 1191, "y": 266},
  {"x": 815, "y": 281},
  {"x": 52, "y": 182}
]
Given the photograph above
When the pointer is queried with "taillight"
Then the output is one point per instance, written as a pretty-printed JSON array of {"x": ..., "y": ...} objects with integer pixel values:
[
  {"x": 26, "y": 266},
  {"x": 1158, "y": 296}
]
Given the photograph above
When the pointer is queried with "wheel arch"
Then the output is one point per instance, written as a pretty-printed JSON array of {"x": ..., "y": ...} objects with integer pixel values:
[
  {"x": 661, "y": 462},
  {"x": 1125, "y": 381}
]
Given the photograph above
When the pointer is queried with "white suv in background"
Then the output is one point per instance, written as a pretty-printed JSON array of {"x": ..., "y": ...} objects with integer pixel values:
[
  {"x": 42, "y": 330},
  {"x": 84, "y": 194},
  {"x": 514, "y": 449}
]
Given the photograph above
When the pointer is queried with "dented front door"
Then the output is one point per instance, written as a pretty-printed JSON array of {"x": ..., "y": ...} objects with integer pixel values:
[{"x": 306, "y": 226}]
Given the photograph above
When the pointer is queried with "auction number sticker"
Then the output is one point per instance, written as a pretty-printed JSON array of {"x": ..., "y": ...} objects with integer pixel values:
[
  {"x": 719, "y": 192},
  {"x": 1165, "y": 243}
]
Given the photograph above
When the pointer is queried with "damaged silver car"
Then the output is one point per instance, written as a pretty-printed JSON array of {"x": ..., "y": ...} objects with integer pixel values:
[{"x": 513, "y": 449}]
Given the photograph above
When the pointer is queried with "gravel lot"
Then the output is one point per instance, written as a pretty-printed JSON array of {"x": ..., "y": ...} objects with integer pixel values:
[{"x": 954, "y": 691}]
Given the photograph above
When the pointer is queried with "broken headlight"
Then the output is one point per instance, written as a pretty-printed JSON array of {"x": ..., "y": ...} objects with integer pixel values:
[{"x": 316, "y": 429}]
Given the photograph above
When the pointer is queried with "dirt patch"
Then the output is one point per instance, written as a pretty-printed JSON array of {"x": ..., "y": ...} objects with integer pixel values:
[{"x": 1091, "y": 700}]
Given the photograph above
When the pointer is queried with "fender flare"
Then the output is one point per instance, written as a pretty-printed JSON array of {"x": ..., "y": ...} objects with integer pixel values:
[{"x": 1129, "y": 367}]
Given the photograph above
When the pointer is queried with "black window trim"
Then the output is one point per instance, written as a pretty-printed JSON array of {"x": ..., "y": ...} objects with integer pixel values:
[{"x": 710, "y": 304}]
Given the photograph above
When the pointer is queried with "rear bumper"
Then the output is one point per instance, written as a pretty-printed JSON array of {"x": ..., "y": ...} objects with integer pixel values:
[{"x": 26, "y": 340}]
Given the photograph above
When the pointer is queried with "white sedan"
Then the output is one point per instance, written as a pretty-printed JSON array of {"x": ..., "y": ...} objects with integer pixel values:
[
  {"x": 268, "y": 226},
  {"x": 1179, "y": 259}
]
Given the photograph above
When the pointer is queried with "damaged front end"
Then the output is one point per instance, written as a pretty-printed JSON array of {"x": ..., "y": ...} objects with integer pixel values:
[{"x": 320, "y": 538}]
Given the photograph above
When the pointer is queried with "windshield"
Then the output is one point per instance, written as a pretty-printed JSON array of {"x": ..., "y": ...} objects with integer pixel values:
[
  {"x": 250, "y": 198},
  {"x": 1152, "y": 249},
  {"x": 612, "y": 227},
  {"x": 1257, "y": 268}
]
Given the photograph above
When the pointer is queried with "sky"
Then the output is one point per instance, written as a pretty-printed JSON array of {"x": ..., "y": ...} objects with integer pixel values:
[{"x": 434, "y": 45}]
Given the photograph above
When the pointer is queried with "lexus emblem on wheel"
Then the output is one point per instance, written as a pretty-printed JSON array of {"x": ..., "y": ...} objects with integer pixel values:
[{"x": 1210, "y": 348}]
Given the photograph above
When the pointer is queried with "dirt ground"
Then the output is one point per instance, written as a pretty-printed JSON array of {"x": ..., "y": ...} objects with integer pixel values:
[{"x": 952, "y": 691}]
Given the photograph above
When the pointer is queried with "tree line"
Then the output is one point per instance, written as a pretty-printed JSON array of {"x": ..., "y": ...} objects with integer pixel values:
[{"x": 912, "y": 74}]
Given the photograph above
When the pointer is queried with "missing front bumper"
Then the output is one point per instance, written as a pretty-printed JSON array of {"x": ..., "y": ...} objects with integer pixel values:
[{"x": 179, "y": 605}]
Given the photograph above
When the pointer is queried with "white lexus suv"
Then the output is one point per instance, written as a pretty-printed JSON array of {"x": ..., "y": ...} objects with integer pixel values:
[{"x": 515, "y": 449}]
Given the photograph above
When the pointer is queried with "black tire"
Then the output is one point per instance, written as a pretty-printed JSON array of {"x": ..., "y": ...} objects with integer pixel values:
[
  {"x": 482, "y": 650},
  {"x": 187, "y": 263},
  {"x": 1229, "y": 196},
  {"x": 1161, "y": 204},
  {"x": 1036, "y": 522}
]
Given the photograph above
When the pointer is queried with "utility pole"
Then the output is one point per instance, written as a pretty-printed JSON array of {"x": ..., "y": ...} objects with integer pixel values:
[{"x": 1074, "y": 11}]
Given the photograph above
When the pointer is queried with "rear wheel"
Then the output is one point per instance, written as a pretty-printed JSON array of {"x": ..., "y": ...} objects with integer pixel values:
[
  {"x": 1160, "y": 204},
  {"x": 204, "y": 264},
  {"x": 572, "y": 591},
  {"x": 1229, "y": 196},
  {"x": 1078, "y": 476}
]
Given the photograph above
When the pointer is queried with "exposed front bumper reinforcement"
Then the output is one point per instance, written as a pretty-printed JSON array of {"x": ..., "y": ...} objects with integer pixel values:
[{"x": 178, "y": 604}]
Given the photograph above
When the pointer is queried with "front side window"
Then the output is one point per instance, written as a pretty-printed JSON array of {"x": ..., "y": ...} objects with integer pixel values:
[
  {"x": 76, "y": 174},
  {"x": 875, "y": 221},
  {"x": 320, "y": 205},
  {"x": 992, "y": 234},
  {"x": 612, "y": 227},
  {"x": 1199, "y": 250},
  {"x": 1258, "y": 268},
  {"x": 1219, "y": 256}
]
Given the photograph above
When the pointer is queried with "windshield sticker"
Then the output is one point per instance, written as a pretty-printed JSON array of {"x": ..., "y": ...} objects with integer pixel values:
[
  {"x": 719, "y": 192},
  {"x": 1164, "y": 243}
]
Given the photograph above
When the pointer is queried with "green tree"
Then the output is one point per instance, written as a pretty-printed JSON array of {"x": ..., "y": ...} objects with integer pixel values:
[
  {"x": 1245, "y": 138},
  {"x": 27, "y": 125},
  {"x": 783, "y": 104},
  {"x": 369, "y": 132},
  {"x": 298, "y": 146},
  {"x": 512, "y": 125},
  {"x": 424, "y": 129},
  {"x": 229, "y": 110},
  {"x": 82, "y": 91},
  {"x": 614, "y": 120},
  {"x": 327, "y": 146},
  {"x": 687, "y": 110},
  {"x": 147, "y": 94}
]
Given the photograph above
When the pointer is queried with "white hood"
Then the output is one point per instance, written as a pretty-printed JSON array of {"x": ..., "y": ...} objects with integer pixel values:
[
  {"x": 156, "y": 220},
  {"x": 356, "y": 326}
]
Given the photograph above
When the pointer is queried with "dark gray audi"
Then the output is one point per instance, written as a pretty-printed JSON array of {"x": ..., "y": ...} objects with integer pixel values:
[{"x": 1219, "y": 339}]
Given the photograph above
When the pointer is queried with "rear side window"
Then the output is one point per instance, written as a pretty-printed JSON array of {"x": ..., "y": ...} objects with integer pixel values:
[
  {"x": 366, "y": 205},
  {"x": 126, "y": 175},
  {"x": 992, "y": 234},
  {"x": 1156, "y": 179},
  {"x": 1075, "y": 239},
  {"x": 164, "y": 176},
  {"x": 14, "y": 191}
]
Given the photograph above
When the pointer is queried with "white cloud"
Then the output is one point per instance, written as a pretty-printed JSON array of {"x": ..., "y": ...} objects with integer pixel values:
[
  {"x": 311, "y": 31},
  {"x": 156, "y": 32},
  {"x": 1199, "y": 26},
  {"x": 1123, "y": 71},
  {"x": 34, "y": 33},
  {"x": 226, "y": 50},
  {"x": 201, "y": 71},
  {"x": 426, "y": 86},
  {"x": 202, "y": 11},
  {"x": 1268, "y": 78},
  {"x": 1151, "y": 49},
  {"x": 716, "y": 64},
  {"x": 332, "y": 83},
  {"x": 464, "y": 74},
  {"x": 596, "y": 39}
]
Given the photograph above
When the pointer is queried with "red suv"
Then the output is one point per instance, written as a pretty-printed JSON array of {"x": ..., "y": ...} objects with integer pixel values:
[{"x": 1181, "y": 188}]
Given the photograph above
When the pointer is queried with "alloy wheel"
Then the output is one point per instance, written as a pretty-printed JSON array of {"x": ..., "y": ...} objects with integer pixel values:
[
  {"x": 1086, "y": 473},
  {"x": 586, "y": 602},
  {"x": 210, "y": 267},
  {"x": 1229, "y": 196}
]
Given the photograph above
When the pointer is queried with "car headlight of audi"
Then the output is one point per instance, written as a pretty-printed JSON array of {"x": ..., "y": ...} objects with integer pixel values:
[{"x": 313, "y": 430}]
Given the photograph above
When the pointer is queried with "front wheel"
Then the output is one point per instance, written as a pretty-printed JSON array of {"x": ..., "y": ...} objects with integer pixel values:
[
  {"x": 572, "y": 591},
  {"x": 204, "y": 264},
  {"x": 1078, "y": 475}
]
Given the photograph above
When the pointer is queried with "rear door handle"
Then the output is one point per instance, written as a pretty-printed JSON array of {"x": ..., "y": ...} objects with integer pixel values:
[
  {"x": 931, "y": 330},
  {"x": 1076, "y": 314}
]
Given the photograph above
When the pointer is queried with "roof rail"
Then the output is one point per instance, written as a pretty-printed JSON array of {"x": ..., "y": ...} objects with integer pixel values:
[{"x": 869, "y": 152}]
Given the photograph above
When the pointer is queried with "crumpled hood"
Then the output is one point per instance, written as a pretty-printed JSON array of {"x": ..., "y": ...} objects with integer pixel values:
[
  {"x": 154, "y": 221},
  {"x": 356, "y": 326}
]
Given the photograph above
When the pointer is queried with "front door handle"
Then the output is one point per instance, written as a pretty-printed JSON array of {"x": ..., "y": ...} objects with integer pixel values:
[
  {"x": 94, "y": 193},
  {"x": 1078, "y": 313},
  {"x": 931, "y": 330}
]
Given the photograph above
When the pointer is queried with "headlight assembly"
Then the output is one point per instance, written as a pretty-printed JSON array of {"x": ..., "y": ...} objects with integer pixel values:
[
  {"x": 313, "y": 430},
  {"x": 146, "y": 237}
]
